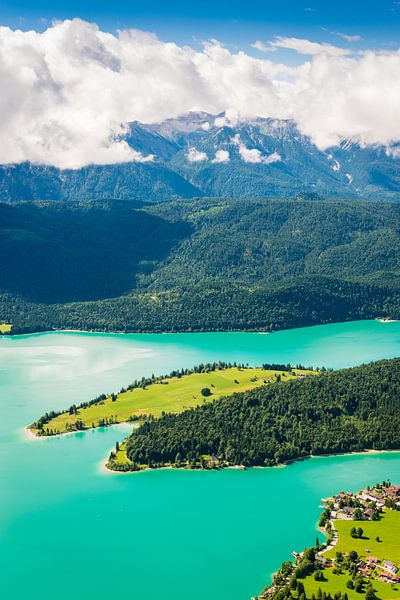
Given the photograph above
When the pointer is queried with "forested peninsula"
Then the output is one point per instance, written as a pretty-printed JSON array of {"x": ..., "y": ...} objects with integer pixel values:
[{"x": 343, "y": 411}]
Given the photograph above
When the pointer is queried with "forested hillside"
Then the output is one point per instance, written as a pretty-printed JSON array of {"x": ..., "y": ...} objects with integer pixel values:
[
  {"x": 197, "y": 265},
  {"x": 343, "y": 411},
  {"x": 298, "y": 303},
  {"x": 270, "y": 240},
  {"x": 133, "y": 181},
  {"x": 53, "y": 252}
]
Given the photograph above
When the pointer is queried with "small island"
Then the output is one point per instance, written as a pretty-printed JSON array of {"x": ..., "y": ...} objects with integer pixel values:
[
  {"x": 360, "y": 557},
  {"x": 152, "y": 397}
]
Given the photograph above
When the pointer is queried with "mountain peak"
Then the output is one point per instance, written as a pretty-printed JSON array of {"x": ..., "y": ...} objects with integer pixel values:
[{"x": 185, "y": 123}]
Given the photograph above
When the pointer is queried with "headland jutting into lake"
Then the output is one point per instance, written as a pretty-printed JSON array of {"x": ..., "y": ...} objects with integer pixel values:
[
  {"x": 282, "y": 415},
  {"x": 348, "y": 410}
]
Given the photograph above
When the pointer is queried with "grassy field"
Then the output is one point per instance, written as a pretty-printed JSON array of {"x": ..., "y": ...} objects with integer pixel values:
[
  {"x": 388, "y": 531},
  {"x": 5, "y": 327},
  {"x": 120, "y": 456},
  {"x": 172, "y": 395},
  {"x": 337, "y": 583}
]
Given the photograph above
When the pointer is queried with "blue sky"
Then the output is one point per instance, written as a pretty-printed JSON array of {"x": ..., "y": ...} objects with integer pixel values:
[
  {"x": 68, "y": 91},
  {"x": 231, "y": 21}
]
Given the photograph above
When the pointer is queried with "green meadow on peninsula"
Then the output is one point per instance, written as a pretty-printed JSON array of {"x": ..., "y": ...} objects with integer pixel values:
[{"x": 155, "y": 396}]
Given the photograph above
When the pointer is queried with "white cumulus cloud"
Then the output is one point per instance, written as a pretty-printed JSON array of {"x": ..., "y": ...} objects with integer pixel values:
[
  {"x": 221, "y": 156},
  {"x": 69, "y": 93},
  {"x": 194, "y": 155},
  {"x": 253, "y": 155},
  {"x": 263, "y": 47}
]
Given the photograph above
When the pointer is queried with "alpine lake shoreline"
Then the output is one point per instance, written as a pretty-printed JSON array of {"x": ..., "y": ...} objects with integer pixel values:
[
  {"x": 342, "y": 567},
  {"x": 29, "y": 434}
]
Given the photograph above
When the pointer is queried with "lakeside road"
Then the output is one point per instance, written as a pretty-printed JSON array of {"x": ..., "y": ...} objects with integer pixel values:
[{"x": 334, "y": 541}]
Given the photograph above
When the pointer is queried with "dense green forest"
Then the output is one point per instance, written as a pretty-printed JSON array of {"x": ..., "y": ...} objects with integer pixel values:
[
  {"x": 305, "y": 301},
  {"x": 272, "y": 240},
  {"x": 203, "y": 264},
  {"x": 54, "y": 252},
  {"x": 343, "y": 411}
]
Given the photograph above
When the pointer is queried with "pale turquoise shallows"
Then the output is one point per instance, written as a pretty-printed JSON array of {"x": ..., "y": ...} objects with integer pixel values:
[{"x": 69, "y": 531}]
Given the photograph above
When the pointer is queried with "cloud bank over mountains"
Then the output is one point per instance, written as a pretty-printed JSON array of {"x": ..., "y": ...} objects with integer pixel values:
[{"x": 68, "y": 93}]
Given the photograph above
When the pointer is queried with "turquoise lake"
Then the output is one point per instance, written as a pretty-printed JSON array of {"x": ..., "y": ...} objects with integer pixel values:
[{"x": 67, "y": 530}]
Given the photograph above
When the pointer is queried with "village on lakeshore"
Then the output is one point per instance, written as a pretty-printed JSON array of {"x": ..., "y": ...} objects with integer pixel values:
[{"x": 361, "y": 554}]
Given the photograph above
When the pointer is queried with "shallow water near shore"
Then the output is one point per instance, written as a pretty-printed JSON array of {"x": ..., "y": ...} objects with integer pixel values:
[{"x": 67, "y": 530}]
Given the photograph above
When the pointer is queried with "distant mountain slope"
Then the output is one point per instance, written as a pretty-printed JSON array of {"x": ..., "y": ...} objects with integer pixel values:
[
  {"x": 200, "y": 154},
  {"x": 270, "y": 241},
  {"x": 201, "y": 264},
  {"x": 133, "y": 181}
]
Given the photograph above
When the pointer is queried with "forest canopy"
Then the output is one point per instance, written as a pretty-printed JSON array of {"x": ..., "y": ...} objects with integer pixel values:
[
  {"x": 342, "y": 411},
  {"x": 199, "y": 265}
]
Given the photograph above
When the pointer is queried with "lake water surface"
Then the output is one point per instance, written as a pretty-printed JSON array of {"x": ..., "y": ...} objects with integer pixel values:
[{"x": 69, "y": 531}]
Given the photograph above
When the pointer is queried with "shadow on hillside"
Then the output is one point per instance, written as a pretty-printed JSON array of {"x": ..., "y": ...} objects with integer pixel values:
[{"x": 62, "y": 252}]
